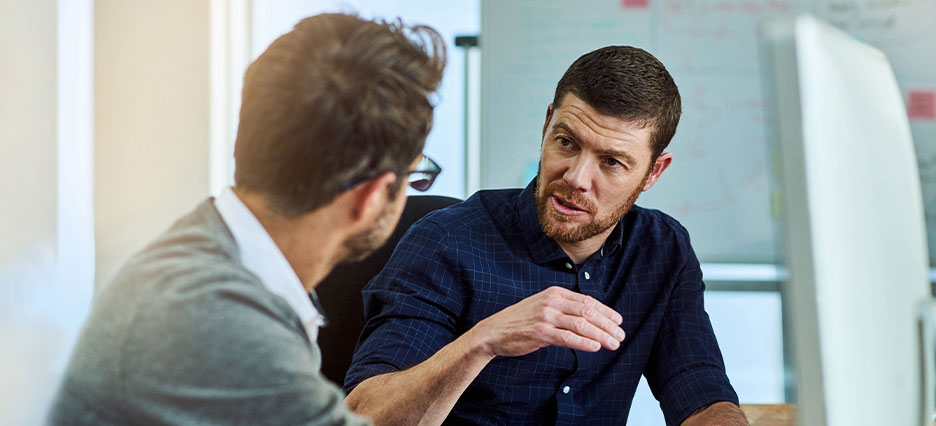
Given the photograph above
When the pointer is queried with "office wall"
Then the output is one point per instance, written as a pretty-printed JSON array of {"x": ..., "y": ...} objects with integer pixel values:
[
  {"x": 151, "y": 120},
  {"x": 719, "y": 183},
  {"x": 46, "y": 224},
  {"x": 28, "y": 134},
  {"x": 136, "y": 160},
  {"x": 28, "y": 190}
]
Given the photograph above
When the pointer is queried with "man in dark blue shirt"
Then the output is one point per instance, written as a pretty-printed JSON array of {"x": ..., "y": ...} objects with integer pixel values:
[{"x": 512, "y": 307}]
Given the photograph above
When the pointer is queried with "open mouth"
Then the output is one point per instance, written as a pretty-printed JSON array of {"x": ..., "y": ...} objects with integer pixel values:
[{"x": 566, "y": 207}]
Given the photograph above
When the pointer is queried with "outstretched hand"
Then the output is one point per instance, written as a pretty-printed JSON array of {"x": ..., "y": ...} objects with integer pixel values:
[{"x": 555, "y": 316}]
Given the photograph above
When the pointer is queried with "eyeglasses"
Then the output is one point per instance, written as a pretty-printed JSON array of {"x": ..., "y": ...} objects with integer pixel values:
[
  {"x": 420, "y": 179},
  {"x": 425, "y": 174}
]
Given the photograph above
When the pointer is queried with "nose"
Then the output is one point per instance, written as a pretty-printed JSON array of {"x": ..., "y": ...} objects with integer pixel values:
[{"x": 578, "y": 176}]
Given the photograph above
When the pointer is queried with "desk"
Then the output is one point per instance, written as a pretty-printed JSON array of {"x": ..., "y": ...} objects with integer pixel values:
[{"x": 770, "y": 414}]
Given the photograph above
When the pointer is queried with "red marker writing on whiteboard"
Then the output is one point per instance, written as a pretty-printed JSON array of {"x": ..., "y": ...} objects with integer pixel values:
[
  {"x": 635, "y": 4},
  {"x": 921, "y": 105}
]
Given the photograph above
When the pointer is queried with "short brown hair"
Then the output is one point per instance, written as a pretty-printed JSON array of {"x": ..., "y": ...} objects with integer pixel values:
[
  {"x": 336, "y": 98},
  {"x": 628, "y": 83}
]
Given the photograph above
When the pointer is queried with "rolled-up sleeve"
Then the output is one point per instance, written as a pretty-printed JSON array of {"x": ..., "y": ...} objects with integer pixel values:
[
  {"x": 685, "y": 370},
  {"x": 411, "y": 308}
]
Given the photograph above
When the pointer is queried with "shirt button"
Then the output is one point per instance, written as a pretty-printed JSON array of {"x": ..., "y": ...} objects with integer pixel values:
[
  {"x": 568, "y": 265},
  {"x": 566, "y": 389},
  {"x": 587, "y": 276}
]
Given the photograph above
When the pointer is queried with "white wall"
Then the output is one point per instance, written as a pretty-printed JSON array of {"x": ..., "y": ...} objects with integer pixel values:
[
  {"x": 28, "y": 134},
  {"x": 104, "y": 134},
  {"x": 28, "y": 190},
  {"x": 46, "y": 249},
  {"x": 152, "y": 120}
]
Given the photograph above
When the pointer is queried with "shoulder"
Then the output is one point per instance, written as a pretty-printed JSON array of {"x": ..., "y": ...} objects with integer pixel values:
[
  {"x": 655, "y": 222},
  {"x": 189, "y": 276},
  {"x": 200, "y": 235},
  {"x": 197, "y": 252},
  {"x": 183, "y": 310},
  {"x": 194, "y": 271},
  {"x": 656, "y": 232}
]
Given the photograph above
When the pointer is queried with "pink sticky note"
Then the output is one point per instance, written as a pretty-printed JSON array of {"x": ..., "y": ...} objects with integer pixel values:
[
  {"x": 635, "y": 4},
  {"x": 921, "y": 105}
]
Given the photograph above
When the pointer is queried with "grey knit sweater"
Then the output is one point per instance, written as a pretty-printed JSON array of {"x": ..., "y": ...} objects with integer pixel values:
[{"x": 185, "y": 334}]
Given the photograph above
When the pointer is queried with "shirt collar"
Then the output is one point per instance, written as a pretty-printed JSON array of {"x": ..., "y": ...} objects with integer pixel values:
[
  {"x": 542, "y": 248},
  {"x": 260, "y": 255}
]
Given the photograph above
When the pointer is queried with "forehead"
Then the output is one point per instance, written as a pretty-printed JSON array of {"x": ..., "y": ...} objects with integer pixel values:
[{"x": 604, "y": 131}]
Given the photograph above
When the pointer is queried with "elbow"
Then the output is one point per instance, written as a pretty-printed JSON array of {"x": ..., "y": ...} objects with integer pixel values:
[
  {"x": 355, "y": 400},
  {"x": 364, "y": 399}
]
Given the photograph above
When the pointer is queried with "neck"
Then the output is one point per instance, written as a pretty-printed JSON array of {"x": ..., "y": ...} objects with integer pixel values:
[
  {"x": 579, "y": 251},
  {"x": 308, "y": 242}
]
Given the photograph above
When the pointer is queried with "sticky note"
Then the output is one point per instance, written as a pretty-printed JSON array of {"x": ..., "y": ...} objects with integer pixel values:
[
  {"x": 635, "y": 4},
  {"x": 921, "y": 105}
]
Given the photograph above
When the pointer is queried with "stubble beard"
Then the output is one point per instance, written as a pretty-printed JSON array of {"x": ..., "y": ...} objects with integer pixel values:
[
  {"x": 582, "y": 232},
  {"x": 363, "y": 244}
]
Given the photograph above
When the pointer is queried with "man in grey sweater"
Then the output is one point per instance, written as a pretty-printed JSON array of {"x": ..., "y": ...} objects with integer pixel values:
[{"x": 212, "y": 322}]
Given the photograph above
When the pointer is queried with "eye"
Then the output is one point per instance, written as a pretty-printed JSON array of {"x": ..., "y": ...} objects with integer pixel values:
[
  {"x": 611, "y": 162},
  {"x": 564, "y": 141}
]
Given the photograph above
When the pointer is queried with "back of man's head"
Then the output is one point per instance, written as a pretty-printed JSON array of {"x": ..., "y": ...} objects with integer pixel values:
[
  {"x": 336, "y": 98},
  {"x": 628, "y": 83}
]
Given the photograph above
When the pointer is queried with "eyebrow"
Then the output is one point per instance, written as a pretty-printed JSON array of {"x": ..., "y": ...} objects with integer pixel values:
[{"x": 627, "y": 157}]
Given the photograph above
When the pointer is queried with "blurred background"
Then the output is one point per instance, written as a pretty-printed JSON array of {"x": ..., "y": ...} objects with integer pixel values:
[{"x": 118, "y": 116}]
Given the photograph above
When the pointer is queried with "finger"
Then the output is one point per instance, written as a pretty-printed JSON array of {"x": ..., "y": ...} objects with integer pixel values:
[
  {"x": 589, "y": 301},
  {"x": 592, "y": 310},
  {"x": 571, "y": 340},
  {"x": 583, "y": 327}
]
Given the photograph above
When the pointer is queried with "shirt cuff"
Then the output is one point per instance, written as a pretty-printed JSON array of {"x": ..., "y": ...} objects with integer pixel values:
[
  {"x": 694, "y": 389},
  {"x": 359, "y": 373}
]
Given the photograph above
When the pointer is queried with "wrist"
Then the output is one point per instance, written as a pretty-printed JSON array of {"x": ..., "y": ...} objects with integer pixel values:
[{"x": 476, "y": 344}]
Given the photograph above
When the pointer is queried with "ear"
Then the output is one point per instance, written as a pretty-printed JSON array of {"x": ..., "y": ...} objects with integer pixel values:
[
  {"x": 660, "y": 165},
  {"x": 371, "y": 197},
  {"x": 549, "y": 113}
]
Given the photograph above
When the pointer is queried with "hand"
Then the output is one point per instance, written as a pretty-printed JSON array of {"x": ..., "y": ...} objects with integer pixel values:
[{"x": 555, "y": 316}]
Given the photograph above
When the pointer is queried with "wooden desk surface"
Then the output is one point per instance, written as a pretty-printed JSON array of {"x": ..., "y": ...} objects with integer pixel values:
[{"x": 770, "y": 414}]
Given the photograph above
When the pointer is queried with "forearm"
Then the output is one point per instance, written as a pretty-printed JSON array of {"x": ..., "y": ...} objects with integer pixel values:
[
  {"x": 720, "y": 413},
  {"x": 425, "y": 393}
]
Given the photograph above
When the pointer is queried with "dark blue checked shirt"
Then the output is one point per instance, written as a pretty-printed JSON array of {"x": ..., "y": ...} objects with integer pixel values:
[{"x": 462, "y": 264}]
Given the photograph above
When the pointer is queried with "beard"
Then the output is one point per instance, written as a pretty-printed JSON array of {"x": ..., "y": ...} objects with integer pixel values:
[
  {"x": 363, "y": 244},
  {"x": 584, "y": 231}
]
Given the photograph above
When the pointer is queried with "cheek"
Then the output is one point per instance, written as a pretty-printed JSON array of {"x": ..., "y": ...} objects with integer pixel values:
[
  {"x": 552, "y": 166},
  {"x": 612, "y": 195}
]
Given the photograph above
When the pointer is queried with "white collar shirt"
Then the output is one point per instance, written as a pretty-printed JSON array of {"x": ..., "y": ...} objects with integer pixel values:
[{"x": 260, "y": 255}]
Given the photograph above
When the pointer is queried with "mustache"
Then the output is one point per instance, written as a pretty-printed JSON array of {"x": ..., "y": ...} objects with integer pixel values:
[{"x": 560, "y": 189}]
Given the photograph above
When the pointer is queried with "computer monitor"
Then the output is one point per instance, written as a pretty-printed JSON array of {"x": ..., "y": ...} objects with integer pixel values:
[{"x": 852, "y": 226}]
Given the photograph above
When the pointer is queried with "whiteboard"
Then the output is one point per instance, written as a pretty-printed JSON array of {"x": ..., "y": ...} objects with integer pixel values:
[{"x": 718, "y": 183}]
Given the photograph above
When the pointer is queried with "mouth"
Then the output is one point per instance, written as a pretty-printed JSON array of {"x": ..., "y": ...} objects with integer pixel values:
[{"x": 566, "y": 207}]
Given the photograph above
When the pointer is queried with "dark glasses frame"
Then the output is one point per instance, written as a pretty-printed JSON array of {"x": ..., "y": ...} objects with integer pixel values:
[{"x": 420, "y": 179}]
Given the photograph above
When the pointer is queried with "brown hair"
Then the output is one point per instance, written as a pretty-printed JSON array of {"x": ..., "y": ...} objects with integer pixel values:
[
  {"x": 628, "y": 83},
  {"x": 336, "y": 98}
]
